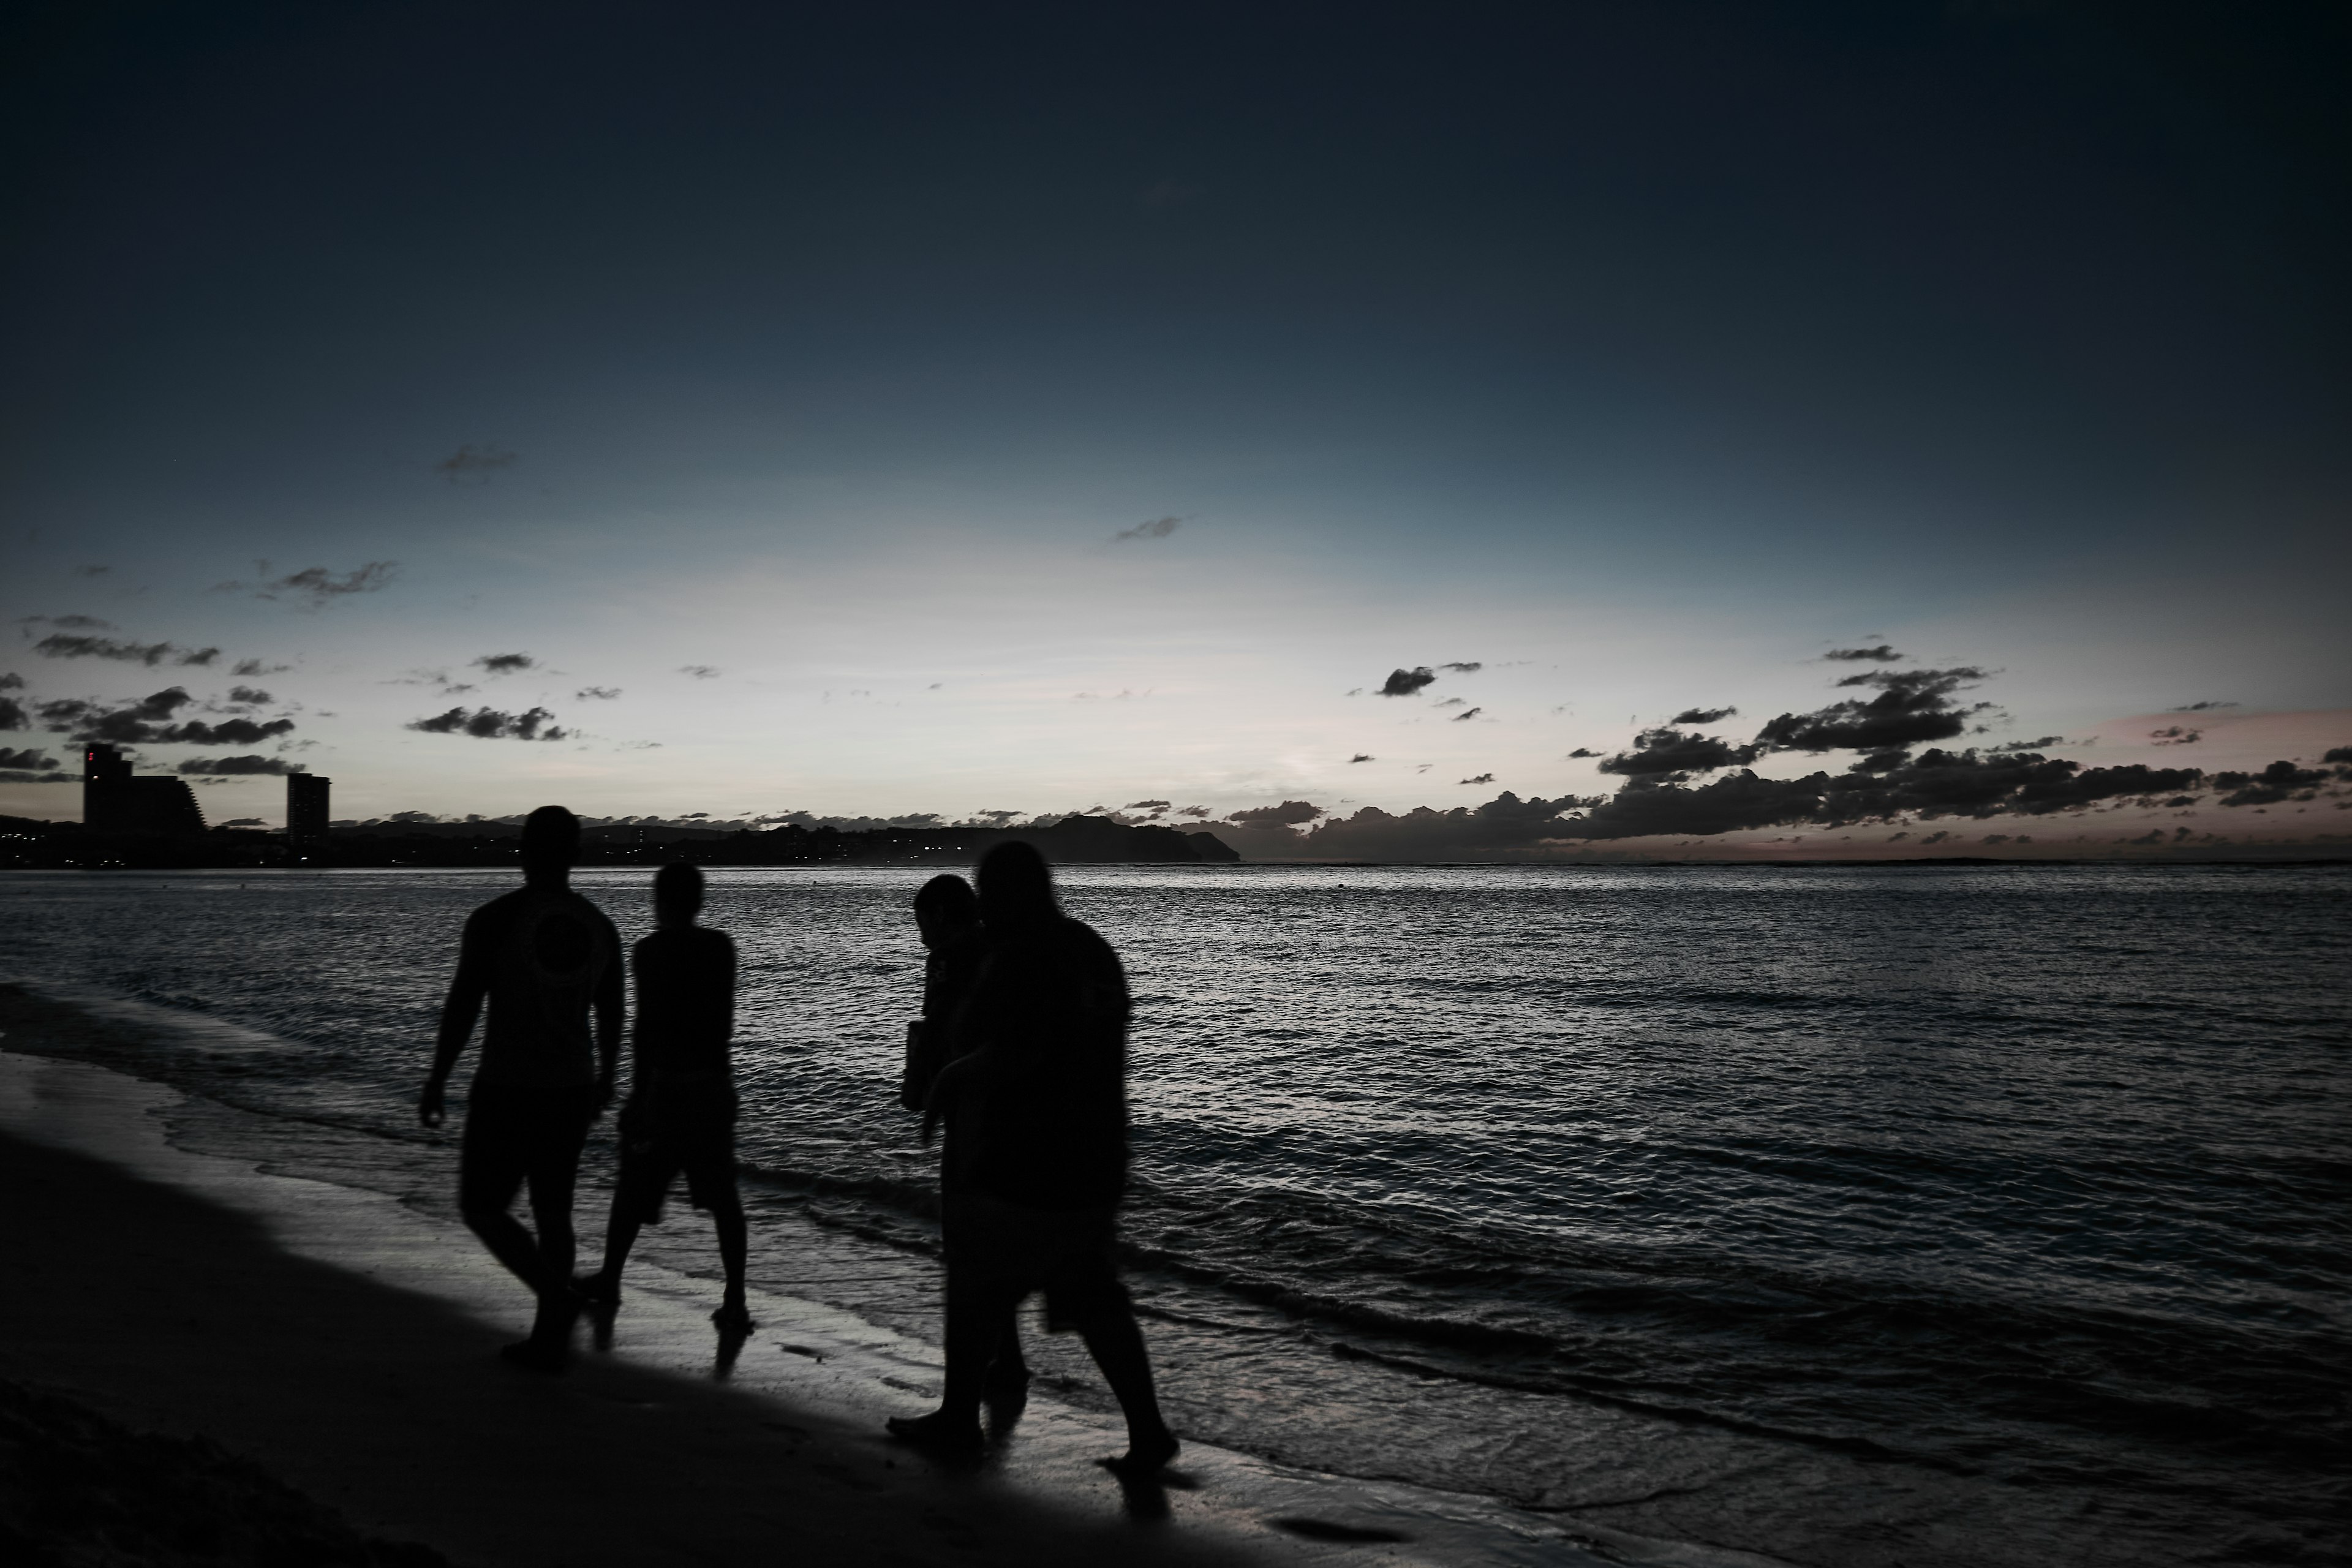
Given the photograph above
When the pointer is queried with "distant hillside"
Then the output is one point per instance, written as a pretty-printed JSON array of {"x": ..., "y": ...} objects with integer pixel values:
[{"x": 1074, "y": 840}]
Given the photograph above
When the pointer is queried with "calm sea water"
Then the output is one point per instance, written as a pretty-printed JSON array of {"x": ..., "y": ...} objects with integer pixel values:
[{"x": 2003, "y": 1210}]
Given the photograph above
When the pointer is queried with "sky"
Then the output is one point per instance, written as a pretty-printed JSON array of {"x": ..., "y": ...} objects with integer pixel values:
[{"x": 859, "y": 412}]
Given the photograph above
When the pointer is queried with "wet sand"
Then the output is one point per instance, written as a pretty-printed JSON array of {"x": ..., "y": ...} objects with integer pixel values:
[{"x": 346, "y": 1345}]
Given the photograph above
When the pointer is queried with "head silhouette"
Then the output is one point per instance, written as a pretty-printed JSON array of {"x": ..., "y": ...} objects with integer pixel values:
[
  {"x": 550, "y": 843},
  {"x": 949, "y": 898},
  {"x": 1015, "y": 887},
  {"x": 678, "y": 893}
]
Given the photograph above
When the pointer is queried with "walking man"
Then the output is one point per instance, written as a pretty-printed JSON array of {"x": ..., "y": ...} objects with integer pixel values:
[
  {"x": 680, "y": 1115},
  {"x": 544, "y": 958}
]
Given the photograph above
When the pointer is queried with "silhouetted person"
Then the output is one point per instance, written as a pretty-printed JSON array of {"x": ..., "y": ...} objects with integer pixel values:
[
  {"x": 544, "y": 958},
  {"x": 947, "y": 917},
  {"x": 680, "y": 1114},
  {"x": 1036, "y": 1157}
]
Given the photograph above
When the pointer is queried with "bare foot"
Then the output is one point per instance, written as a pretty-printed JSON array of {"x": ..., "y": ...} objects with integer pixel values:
[
  {"x": 1144, "y": 1454},
  {"x": 938, "y": 1431},
  {"x": 733, "y": 1318}
]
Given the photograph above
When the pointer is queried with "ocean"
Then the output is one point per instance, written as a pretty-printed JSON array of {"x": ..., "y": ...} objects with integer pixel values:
[{"x": 1918, "y": 1214}]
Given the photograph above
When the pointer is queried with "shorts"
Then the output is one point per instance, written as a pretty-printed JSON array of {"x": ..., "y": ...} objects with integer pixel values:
[
  {"x": 518, "y": 1133},
  {"x": 687, "y": 1128},
  {"x": 1013, "y": 1249}
]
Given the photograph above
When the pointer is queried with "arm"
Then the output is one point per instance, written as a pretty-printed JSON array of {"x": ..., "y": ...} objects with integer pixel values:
[
  {"x": 948, "y": 1085},
  {"x": 458, "y": 1015}
]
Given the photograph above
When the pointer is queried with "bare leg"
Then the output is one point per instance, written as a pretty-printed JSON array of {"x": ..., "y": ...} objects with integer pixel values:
[
  {"x": 1007, "y": 1365},
  {"x": 1117, "y": 1345},
  {"x": 734, "y": 1248},
  {"x": 510, "y": 1242},
  {"x": 620, "y": 1236},
  {"x": 551, "y": 1210},
  {"x": 978, "y": 1318}
]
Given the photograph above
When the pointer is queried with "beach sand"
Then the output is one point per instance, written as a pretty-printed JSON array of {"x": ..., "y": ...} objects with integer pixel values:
[{"x": 344, "y": 1344}]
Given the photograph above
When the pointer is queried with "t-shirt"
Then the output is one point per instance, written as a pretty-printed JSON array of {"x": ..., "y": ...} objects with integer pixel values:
[
  {"x": 1046, "y": 1124},
  {"x": 543, "y": 955},
  {"x": 685, "y": 1000}
]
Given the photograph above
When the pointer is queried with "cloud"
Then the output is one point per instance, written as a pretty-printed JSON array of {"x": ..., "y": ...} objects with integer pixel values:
[
  {"x": 2176, "y": 735},
  {"x": 1584, "y": 752},
  {"x": 2200, "y": 707},
  {"x": 1157, "y": 528},
  {"x": 1288, "y": 814},
  {"x": 1482, "y": 778},
  {"x": 249, "y": 694},
  {"x": 1940, "y": 783},
  {"x": 1882, "y": 654},
  {"x": 2280, "y": 781},
  {"x": 1200, "y": 811},
  {"x": 2338, "y": 754},
  {"x": 489, "y": 724},
  {"x": 26, "y": 757},
  {"x": 1363, "y": 757},
  {"x": 2043, "y": 743},
  {"x": 1407, "y": 682},
  {"x": 230, "y": 767},
  {"x": 70, "y": 622},
  {"x": 227, "y": 733},
  {"x": 1912, "y": 705},
  {"x": 505, "y": 663},
  {"x": 254, "y": 667},
  {"x": 13, "y": 715},
  {"x": 1704, "y": 715},
  {"x": 1505, "y": 825},
  {"x": 1473, "y": 668},
  {"x": 476, "y": 463},
  {"x": 1648, "y": 805},
  {"x": 699, "y": 671},
  {"x": 1965, "y": 783},
  {"x": 596, "y": 694},
  {"x": 11, "y": 681},
  {"x": 1466, "y": 718},
  {"x": 1673, "y": 753},
  {"x": 61, "y": 645},
  {"x": 315, "y": 586},
  {"x": 149, "y": 721}
]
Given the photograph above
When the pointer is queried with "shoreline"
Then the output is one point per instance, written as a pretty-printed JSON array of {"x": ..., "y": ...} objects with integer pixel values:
[{"x": 342, "y": 1341}]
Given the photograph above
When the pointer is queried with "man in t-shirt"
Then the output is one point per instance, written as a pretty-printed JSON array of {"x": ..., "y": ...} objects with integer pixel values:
[
  {"x": 543, "y": 958},
  {"x": 680, "y": 1115},
  {"x": 1036, "y": 1157}
]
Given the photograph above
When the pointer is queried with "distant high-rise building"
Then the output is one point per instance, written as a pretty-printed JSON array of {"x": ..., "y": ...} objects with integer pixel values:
[
  {"x": 306, "y": 809},
  {"x": 116, "y": 800}
]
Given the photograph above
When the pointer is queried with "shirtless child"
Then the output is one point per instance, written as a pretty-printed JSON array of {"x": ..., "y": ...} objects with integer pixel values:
[
  {"x": 680, "y": 1115},
  {"x": 543, "y": 958}
]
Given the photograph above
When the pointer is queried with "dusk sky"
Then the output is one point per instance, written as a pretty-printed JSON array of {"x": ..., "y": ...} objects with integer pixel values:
[{"x": 871, "y": 410}]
